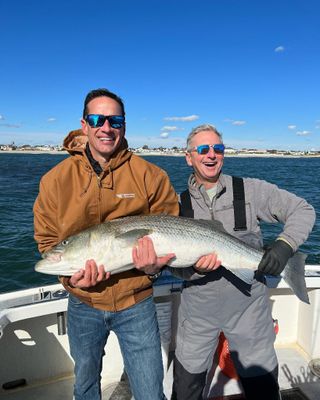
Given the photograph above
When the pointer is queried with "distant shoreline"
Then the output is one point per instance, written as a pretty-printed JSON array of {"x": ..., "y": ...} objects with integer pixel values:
[{"x": 155, "y": 153}]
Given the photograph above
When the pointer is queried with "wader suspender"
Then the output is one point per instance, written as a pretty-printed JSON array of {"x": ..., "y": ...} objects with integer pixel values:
[
  {"x": 240, "y": 221},
  {"x": 185, "y": 205},
  {"x": 239, "y": 205}
]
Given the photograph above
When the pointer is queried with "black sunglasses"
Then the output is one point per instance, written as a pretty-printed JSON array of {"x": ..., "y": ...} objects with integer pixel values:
[
  {"x": 98, "y": 120},
  {"x": 205, "y": 148}
]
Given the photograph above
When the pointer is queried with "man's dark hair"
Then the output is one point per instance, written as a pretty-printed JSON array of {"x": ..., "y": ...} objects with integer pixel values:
[{"x": 101, "y": 93}]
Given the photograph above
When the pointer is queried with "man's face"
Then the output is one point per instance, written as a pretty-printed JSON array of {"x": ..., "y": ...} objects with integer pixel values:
[
  {"x": 206, "y": 167},
  {"x": 104, "y": 140}
]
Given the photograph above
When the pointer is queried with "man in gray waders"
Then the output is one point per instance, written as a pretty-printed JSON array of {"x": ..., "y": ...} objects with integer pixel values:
[{"x": 213, "y": 300}]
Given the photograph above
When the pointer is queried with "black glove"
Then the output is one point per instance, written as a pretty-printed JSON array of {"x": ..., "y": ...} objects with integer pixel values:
[{"x": 275, "y": 258}]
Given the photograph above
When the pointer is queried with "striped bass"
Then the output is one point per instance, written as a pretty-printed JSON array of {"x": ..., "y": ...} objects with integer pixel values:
[{"x": 110, "y": 244}]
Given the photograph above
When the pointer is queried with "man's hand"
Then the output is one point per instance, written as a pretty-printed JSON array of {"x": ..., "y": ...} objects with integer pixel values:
[
  {"x": 207, "y": 263},
  {"x": 89, "y": 276},
  {"x": 145, "y": 258},
  {"x": 275, "y": 258}
]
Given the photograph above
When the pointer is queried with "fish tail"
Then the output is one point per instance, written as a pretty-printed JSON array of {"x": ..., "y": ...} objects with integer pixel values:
[{"x": 293, "y": 274}]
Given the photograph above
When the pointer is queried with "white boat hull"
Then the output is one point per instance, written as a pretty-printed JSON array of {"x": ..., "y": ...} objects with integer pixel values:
[{"x": 37, "y": 353}]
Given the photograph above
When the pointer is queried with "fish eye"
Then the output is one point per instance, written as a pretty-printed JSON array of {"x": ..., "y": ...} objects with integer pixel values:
[{"x": 65, "y": 242}]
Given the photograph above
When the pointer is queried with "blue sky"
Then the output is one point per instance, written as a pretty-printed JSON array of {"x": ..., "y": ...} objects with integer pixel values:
[{"x": 250, "y": 68}]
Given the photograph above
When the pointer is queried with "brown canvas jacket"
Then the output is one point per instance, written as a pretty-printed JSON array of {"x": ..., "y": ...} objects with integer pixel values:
[{"x": 72, "y": 198}]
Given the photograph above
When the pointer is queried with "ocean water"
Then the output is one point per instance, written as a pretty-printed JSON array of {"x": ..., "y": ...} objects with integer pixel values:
[{"x": 19, "y": 181}]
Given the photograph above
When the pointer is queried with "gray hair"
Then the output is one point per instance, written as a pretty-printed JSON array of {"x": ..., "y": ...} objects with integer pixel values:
[{"x": 201, "y": 128}]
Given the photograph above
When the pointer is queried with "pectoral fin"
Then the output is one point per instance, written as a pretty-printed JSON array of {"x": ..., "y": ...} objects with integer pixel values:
[{"x": 130, "y": 238}]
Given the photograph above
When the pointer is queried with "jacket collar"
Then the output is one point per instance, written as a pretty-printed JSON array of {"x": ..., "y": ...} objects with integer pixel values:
[{"x": 94, "y": 163}]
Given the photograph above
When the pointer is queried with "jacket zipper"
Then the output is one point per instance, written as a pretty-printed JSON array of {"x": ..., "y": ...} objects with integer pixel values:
[
  {"x": 99, "y": 181},
  {"x": 211, "y": 212},
  {"x": 99, "y": 196}
]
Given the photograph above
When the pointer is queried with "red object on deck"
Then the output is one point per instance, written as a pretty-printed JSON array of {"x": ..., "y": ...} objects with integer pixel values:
[{"x": 224, "y": 358}]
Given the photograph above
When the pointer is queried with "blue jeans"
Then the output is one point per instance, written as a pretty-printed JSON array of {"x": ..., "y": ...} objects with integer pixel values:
[{"x": 138, "y": 335}]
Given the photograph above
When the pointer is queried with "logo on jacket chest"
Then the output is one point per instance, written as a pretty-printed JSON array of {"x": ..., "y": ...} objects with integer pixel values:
[{"x": 126, "y": 195}]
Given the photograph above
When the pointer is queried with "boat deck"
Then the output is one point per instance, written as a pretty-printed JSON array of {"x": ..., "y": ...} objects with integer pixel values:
[
  {"x": 34, "y": 344},
  {"x": 298, "y": 375}
]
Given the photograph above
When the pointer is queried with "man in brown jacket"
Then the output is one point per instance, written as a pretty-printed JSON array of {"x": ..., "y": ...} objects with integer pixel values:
[{"x": 101, "y": 181}]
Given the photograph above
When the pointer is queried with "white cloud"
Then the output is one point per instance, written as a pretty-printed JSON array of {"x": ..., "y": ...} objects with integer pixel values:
[
  {"x": 164, "y": 135},
  {"x": 279, "y": 49},
  {"x": 1, "y": 117},
  {"x": 303, "y": 133},
  {"x": 184, "y": 119},
  {"x": 238, "y": 123},
  {"x": 51, "y": 119},
  {"x": 171, "y": 128},
  {"x": 292, "y": 126}
]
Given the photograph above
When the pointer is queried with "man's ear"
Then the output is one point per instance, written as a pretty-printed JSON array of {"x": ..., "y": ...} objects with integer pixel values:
[
  {"x": 188, "y": 158},
  {"x": 84, "y": 127}
]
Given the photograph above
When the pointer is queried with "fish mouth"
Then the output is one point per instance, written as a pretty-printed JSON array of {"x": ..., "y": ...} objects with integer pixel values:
[
  {"x": 48, "y": 266},
  {"x": 53, "y": 263},
  {"x": 54, "y": 256}
]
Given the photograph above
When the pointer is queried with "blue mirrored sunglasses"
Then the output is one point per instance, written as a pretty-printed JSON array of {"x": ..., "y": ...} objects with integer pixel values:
[
  {"x": 205, "y": 148},
  {"x": 97, "y": 120}
]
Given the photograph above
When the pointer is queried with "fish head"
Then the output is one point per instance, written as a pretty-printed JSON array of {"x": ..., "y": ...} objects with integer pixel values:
[{"x": 67, "y": 257}]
